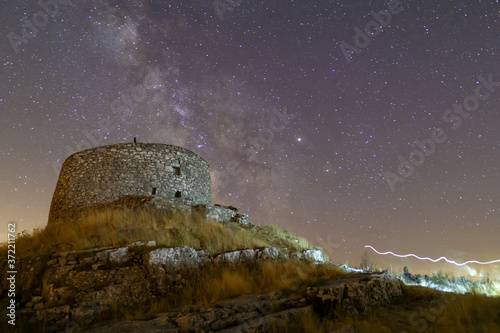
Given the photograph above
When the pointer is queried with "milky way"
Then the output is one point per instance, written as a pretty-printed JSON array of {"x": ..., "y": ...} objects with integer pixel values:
[{"x": 305, "y": 118}]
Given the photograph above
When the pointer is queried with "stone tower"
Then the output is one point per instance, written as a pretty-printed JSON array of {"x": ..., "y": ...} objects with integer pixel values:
[{"x": 105, "y": 174}]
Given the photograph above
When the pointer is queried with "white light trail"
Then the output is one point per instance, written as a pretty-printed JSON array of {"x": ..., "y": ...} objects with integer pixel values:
[{"x": 435, "y": 260}]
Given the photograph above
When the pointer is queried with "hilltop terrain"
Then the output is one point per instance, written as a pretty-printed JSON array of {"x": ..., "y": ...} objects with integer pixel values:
[{"x": 141, "y": 270}]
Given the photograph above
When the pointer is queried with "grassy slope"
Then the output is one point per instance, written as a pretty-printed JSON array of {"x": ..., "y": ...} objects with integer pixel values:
[
  {"x": 420, "y": 310},
  {"x": 427, "y": 310},
  {"x": 118, "y": 227}
]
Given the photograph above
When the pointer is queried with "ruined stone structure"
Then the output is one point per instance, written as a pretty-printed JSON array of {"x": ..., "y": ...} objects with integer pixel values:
[{"x": 165, "y": 176}]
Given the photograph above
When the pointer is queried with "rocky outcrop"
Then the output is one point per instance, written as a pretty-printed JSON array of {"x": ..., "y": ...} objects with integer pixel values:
[
  {"x": 460, "y": 285},
  {"x": 216, "y": 212},
  {"x": 268, "y": 312},
  {"x": 310, "y": 255},
  {"x": 81, "y": 289},
  {"x": 227, "y": 214},
  {"x": 246, "y": 256},
  {"x": 258, "y": 313},
  {"x": 174, "y": 258},
  {"x": 354, "y": 294}
]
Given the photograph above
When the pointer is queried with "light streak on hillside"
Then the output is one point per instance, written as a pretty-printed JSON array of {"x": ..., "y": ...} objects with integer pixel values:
[{"x": 435, "y": 260}]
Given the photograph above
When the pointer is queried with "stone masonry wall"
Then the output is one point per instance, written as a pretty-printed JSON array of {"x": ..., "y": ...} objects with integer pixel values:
[{"x": 105, "y": 174}]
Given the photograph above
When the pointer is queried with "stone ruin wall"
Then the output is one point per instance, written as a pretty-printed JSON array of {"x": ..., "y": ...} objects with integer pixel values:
[{"x": 105, "y": 174}]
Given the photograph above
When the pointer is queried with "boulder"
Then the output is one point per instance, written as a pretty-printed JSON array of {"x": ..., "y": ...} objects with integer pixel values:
[{"x": 174, "y": 258}]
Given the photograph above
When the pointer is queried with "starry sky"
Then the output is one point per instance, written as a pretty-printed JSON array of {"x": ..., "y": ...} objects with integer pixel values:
[{"x": 307, "y": 120}]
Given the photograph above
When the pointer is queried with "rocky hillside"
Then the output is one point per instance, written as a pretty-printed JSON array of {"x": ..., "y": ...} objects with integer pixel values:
[
  {"x": 84, "y": 290},
  {"x": 136, "y": 270},
  {"x": 275, "y": 311}
]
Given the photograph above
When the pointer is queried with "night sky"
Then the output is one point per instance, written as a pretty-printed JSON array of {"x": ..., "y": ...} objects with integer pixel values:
[{"x": 303, "y": 118}]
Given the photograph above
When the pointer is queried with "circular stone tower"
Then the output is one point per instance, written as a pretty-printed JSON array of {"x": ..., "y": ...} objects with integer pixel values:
[{"x": 105, "y": 174}]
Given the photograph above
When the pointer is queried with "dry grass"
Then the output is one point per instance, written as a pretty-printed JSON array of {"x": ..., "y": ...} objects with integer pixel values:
[
  {"x": 114, "y": 227},
  {"x": 419, "y": 310},
  {"x": 218, "y": 283},
  {"x": 470, "y": 312},
  {"x": 427, "y": 310}
]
